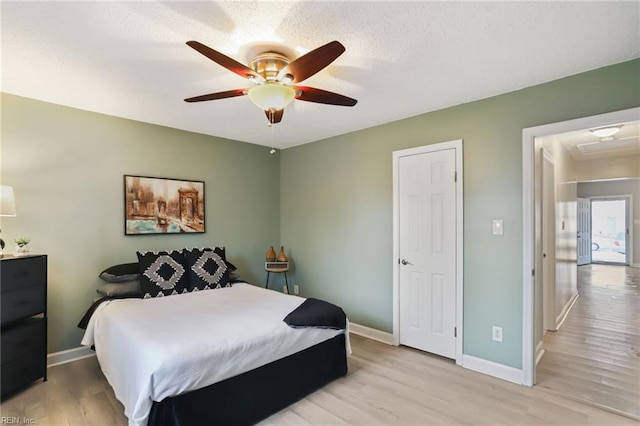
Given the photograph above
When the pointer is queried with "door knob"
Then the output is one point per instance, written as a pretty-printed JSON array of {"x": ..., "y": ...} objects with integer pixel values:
[{"x": 405, "y": 262}]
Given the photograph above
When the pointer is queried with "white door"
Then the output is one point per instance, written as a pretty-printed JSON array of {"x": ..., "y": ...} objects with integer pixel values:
[
  {"x": 427, "y": 251},
  {"x": 584, "y": 231},
  {"x": 548, "y": 242}
]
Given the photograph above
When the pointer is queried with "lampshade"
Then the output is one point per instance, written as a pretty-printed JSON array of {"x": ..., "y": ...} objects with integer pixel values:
[
  {"x": 271, "y": 96},
  {"x": 7, "y": 201}
]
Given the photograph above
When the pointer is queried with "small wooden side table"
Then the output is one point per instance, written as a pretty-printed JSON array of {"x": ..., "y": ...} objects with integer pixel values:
[{"x": 278, "y": 268}]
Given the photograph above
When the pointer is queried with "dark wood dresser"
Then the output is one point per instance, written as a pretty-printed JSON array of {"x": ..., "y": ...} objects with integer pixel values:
[{"x": 23, "y": 299}]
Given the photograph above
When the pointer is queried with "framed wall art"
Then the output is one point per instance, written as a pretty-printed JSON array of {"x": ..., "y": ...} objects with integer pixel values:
[{"x": 163, "y": 206}]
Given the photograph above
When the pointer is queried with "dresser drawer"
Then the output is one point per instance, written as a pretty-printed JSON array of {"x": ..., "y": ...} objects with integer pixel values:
[
  {"x": 27, "y": 337},
  {"x": 22, "y": 303},
  {"x": 21, "y": 372},
  {"x": 18, "y": 273}
]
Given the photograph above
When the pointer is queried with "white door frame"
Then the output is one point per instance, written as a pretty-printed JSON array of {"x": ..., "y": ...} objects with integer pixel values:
[
  {"x": 528, "y": 261},
  {"x": 457, "y": 145}
]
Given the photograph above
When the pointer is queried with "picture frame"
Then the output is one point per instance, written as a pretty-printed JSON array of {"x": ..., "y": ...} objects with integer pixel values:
[{"x": 155, "y": 205}]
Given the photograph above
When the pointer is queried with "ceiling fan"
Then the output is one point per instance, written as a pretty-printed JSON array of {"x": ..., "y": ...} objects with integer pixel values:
[{"x": 275, "y": 78}]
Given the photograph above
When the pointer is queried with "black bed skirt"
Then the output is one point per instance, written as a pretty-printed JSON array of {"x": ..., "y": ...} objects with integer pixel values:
[{"x": 255, "y": 395}]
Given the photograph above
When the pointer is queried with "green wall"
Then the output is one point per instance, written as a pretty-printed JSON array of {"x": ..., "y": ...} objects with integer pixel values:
[
  {"x": 336, "y": 203},
  {"x": 332, "y": 208},
  {"x": 66, "y": 167}
]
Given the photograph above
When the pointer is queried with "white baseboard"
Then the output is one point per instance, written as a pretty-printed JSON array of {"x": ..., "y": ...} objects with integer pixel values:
[
  {"x": 371, "y": 333},
  {"x": 494, "y": 369},
  {"x": 565, "y": 311},
  {"x": 69, "y": 355},
  {"x": 635, "y": 265},
  {"x": 470, "y": 362}
]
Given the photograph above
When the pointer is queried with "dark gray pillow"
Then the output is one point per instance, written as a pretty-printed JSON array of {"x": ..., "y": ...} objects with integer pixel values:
[
  {"x": 125, "y": 288},
  {"x": 120, "y": 273}
]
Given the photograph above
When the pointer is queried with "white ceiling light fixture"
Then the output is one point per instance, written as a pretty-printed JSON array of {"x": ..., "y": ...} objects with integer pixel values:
[
  {"x": 271, "y": 96},
  {"x": 605, "y": 132}
]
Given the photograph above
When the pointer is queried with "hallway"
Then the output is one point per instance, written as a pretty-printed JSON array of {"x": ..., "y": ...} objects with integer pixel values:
[{"x": 595, "y": 354}]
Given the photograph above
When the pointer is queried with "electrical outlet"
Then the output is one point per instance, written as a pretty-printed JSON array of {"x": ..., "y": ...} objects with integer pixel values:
[
  {"x": 496, "y": 334},
  {"x": 296, "y": 289},
  {"x": 285, "y": 290}
]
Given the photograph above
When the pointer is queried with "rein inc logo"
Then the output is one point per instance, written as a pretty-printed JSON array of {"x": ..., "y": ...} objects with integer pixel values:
[{"x": 4, "y": 420}]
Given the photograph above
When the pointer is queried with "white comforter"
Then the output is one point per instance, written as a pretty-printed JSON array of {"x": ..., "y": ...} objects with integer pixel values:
[{"x": 151, "y": 349}]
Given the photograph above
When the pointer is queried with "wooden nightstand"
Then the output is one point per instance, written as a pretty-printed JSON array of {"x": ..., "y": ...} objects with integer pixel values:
[
  {"x": 24, "y": 321},
  {"x": 278, "y": 268}
]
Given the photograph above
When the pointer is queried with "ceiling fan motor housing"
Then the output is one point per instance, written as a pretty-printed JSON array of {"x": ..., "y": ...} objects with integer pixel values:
[{"x": 269, "y": 65}]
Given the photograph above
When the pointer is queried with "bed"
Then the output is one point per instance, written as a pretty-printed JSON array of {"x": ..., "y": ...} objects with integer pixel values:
[{"x": 222, "y": 356}]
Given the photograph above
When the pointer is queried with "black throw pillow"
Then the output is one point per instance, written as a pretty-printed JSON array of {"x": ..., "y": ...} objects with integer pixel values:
[
  {"x": 207, "y": 268},
  {"x": 162, "y": 273},
  {"x": 120, "y": 273},
  {"x": 317, "y": 313}
]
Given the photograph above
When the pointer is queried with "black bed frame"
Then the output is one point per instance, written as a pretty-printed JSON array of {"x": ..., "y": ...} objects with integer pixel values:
[{"x": 252, "y": 396}]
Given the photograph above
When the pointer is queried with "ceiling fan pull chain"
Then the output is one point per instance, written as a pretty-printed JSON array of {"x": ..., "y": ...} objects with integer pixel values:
[{"x": 271, "y": 115}]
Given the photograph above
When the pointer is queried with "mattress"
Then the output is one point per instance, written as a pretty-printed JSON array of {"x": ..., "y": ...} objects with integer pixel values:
[{"x": 151, "y": 349}]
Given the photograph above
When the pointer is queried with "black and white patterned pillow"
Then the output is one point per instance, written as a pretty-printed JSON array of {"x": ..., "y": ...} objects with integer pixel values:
[
  {"x": 207, "y": 268},
  {"x": 162, "y": 273}
]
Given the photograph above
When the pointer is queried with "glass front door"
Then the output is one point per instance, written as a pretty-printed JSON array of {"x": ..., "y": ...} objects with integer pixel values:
[{"x": 609, "y": 230}]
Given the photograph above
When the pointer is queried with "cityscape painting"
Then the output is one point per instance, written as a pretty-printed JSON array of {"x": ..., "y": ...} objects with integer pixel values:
[{"x": 163, "y": 206}]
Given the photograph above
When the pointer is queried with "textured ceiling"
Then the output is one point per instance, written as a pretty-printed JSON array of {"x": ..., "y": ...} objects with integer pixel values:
[{"x": 129, "y": 59}]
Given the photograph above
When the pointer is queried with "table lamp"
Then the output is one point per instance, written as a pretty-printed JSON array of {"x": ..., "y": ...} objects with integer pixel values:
[{"x": 7, "y": 206}]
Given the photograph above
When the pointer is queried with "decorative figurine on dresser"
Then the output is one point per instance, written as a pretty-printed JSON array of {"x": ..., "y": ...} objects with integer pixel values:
[{"x": 23, "y": 310}]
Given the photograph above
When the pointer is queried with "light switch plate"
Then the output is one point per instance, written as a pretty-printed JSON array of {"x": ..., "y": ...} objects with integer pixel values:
[{"x": 497, "y": 227}]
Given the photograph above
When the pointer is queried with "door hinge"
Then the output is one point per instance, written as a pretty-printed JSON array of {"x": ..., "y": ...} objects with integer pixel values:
[
  {"x": 533, "y": 272},
  {"x": 455, "y": 176},
  {"x": 455, "y": 331}
]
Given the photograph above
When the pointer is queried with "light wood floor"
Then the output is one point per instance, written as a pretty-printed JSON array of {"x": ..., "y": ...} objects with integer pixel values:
[
  {"x": 385, "y": 386},
  {"x": 594, "y": 355}
]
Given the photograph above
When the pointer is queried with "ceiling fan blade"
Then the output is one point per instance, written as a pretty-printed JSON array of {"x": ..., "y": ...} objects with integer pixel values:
[
  {"x": 274, "y": 116},
  {"x": 225, "y": 61},
  {"x": 218, "y": 95},
  {"x": 311, "y": 94},
  {"x": 307, "y": 65}
]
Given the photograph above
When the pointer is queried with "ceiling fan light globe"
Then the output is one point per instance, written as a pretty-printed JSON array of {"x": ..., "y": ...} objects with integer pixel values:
[{"x": 271, "y": 96}]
